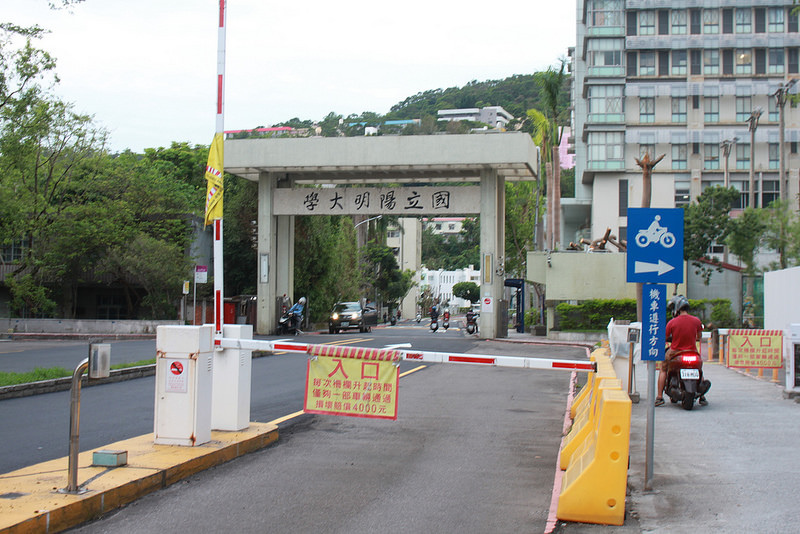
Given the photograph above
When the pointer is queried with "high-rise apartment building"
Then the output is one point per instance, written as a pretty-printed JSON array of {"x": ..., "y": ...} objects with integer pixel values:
[{"x": 686, "y": 79}]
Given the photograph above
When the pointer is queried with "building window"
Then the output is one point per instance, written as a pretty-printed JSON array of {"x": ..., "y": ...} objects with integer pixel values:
[
  {"x": 743, "y": 156},
  {"x": 12, "y": 252},
  {"x": 694, "y": 21},
  {"x": 679, "y": 62},
  {"x": 623, "y": 198},
  {"x": 710, "y": 21},
  {"x": 606, "y": 146},
  {"x": 679, "y": 157},
  {"x": 604, "y": 53},
  {"x": 774, "y": 114},
  {"x": 647, "y": 23},
  {"x": 791, "y": 24},
  {"x": 744, "y": 61},
  {"x": 770, "y": 192},
  {"x": 727, "y": 62},
  {"x": 711, "y": 156},
  {"x": 711, "y": 109},
  {"x": 604, "y": 12},
  {"x": 710, "y": 62},
  {"x": 647, "y": 64},
  {"x": 663, "y": 22},
  {"x": 647, "y": 148},
  {"x": 775, "y": 20},
  {"x": 695, "y": 101},
  {"x": 393, "y": 233},
  {"x": 647, "y": 109},
  {"x": 631, "y": 23},
  {"x": 682, "y": 196},
  {"x": 696, "y": 59},
  {"x": 742, "y": 108},
  {"x": 605, "y": 99},
  {"x": 727, "y": 21},
  {"x": 679, "y": 22},
  {"x": 679, "y": 109},
  {"x": 663, "y": 62},
  {"x": 760, "y": 20},
  {"x": 793, "y": 62},
  {"x": 776, "y": 64},
  {"x": 632, "y": 64},
  {"x": 761, "y": 61},
  {"x": 774, "y": 156},
  {"x": 744, "y": 20}
]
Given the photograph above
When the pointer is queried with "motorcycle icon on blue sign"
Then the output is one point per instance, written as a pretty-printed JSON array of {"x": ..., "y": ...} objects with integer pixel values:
[{"x": 655, "y": 233}]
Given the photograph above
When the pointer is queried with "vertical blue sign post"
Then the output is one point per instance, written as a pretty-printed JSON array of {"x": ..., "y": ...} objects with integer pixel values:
[{"x": 654, "y": 309}]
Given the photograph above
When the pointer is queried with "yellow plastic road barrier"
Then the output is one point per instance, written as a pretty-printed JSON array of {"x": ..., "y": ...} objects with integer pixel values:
[
  {"x": 600, "y": 356},
  {"x": 585, "y": 421},
  {"x": 583, "y": 400},
  {"x": 593, "y": 487}
]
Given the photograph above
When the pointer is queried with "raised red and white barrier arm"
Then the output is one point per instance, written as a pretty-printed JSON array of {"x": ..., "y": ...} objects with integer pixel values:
[{"x": 411, "y": 355}]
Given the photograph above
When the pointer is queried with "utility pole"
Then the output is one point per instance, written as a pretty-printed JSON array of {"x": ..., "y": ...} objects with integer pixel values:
[
  {"x": 780, "y": 99},
  {"x": 752, "y": 125}
]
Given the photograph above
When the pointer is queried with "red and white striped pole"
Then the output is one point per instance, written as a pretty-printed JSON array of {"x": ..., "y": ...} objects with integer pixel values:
[{"x": 219, "y": 308}]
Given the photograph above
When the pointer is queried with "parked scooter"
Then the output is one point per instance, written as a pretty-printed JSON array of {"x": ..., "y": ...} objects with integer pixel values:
[
  {"x": 289, "y": 324},
  {"x": 472, "y": 322},
  {"x": 446, "y": 321},
  {"x": 419, "y": 316},
  {"x": 685, "y": 381}
]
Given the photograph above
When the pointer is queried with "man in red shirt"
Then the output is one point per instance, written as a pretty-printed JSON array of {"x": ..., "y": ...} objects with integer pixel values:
[{"x": 684, "y": 331}]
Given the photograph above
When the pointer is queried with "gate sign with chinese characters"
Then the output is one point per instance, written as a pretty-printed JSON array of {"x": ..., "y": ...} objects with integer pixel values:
[
  {"x": 654, "y": 307},
  {"x": 357, "y": 382},
  {"x": 755, "y": 348},
  {"x": 655, "y": 245},
  {"x": 402, "y": 201}
]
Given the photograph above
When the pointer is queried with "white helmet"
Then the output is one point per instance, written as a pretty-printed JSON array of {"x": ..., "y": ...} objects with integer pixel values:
[{"x": 302, "y": 301}]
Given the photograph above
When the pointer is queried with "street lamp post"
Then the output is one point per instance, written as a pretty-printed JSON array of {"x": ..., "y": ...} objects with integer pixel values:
[
  {"x": 726, "y": 146},
  {"x": 780, "y": 100},
  {"x": 752, "y": 125}
]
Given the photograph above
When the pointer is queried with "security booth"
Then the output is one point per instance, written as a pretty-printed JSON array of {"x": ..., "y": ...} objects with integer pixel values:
[{"x": 793, "y": 361}]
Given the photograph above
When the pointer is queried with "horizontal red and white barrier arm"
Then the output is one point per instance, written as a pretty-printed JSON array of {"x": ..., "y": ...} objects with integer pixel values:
[{"x": 413, "y": 355}]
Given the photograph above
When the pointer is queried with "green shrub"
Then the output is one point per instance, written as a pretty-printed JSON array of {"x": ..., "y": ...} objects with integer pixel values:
[
  {"x": 532, "y": 317},
  {"x": 722, "y": 315},
  {"x": 594, "y": 314}
]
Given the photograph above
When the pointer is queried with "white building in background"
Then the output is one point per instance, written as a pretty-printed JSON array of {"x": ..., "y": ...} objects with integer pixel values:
[
  {"x": 441, "y": 284},
  {"x": 680, "y": 78},
  {"x": 494, "y": 116},
  {"x": 405, "y": 240}
]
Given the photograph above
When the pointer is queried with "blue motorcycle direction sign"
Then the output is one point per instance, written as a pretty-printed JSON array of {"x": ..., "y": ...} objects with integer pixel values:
[
  {"x": 655, "y": 245},
  {"x": 654, "y": 321}
]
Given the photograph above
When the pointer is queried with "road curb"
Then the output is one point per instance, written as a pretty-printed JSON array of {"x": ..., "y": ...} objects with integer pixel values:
[
  {"x": 32, "y": 503},
  {"x": 63, "y": 384}
]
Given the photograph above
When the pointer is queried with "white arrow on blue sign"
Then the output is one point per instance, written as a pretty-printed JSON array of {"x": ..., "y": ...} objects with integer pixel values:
[{"x": 655, "y": 245}]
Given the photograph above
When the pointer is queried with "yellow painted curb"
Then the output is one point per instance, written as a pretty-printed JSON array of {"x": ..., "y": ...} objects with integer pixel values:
[{"x": 29, "y": 498}]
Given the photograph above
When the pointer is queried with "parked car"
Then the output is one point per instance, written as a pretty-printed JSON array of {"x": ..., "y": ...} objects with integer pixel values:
[{"x": 351, "y": 315}]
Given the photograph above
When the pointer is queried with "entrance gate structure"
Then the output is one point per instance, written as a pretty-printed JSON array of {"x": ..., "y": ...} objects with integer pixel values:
[{"x": 408, "y": 176}]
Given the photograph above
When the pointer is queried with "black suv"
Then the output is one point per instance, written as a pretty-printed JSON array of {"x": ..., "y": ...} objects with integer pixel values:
[{"x": 351, "y": 315}]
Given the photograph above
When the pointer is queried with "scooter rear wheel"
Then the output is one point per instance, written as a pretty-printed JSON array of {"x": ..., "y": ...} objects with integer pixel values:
[{"x": 688, "y": 400}]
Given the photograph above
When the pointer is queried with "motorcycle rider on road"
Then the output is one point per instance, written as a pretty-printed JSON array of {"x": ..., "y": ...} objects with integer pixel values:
[
  {"x": 684, "y": 331},
  {"x": 297, "y": 310}
]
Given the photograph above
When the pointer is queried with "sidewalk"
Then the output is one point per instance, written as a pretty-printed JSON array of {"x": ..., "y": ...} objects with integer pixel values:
[
  {"x": 725, "y": 467},
  {"x": 30, "y": 501}
]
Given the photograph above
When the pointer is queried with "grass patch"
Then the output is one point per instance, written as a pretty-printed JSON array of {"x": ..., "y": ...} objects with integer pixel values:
[
  {"x": 50, "y": 373},
  {"x": 39, "y": 373},
  {"x": 133, "y": 364}
]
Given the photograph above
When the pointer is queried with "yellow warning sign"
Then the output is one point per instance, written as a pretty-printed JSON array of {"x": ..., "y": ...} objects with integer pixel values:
[
  {"x": 351, "y": 386},
  {"x": 755, "y": 349}
]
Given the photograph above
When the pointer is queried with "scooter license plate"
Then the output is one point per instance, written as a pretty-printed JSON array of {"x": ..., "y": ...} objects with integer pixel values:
[{"x": 690, "y": 374}]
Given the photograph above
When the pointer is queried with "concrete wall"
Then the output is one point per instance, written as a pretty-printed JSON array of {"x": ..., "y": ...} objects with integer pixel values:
[
  {"x": 781, "y": 292},
  {"x": 80, "y": 326},
  {"x": 722, "y": 285}
]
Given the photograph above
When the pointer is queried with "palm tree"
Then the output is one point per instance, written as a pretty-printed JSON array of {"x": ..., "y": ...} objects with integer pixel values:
[{"x": 550, "y": 83}]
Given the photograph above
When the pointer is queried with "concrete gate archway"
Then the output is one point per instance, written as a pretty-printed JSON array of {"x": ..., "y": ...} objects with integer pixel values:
[{"x": 403, "y": 168}]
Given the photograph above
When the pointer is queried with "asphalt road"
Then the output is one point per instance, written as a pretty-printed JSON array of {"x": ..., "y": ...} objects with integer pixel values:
[
  {"x": 36, "y": 428},
  {"x": 473, "y": 450}
]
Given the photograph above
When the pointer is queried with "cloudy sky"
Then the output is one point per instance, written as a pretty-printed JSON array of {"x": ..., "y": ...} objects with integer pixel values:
[{"x": 146, "y": 69}]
